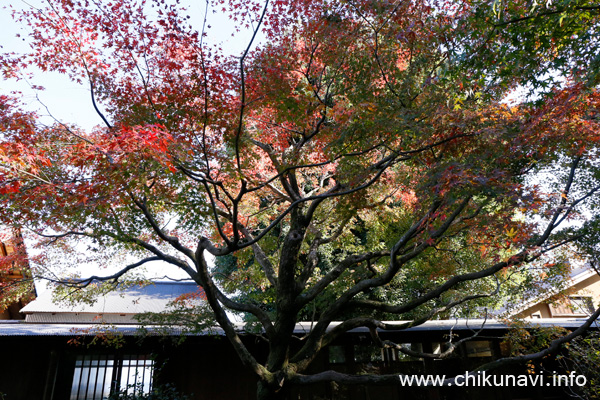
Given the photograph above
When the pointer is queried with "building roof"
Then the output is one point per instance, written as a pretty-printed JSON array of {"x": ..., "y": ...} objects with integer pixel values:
[
  {"x": 577, "y": 276},
  {"x": 117, "y": 306},
  {"x": 22, "y": 328},
  {"x": 46, "y": 317}
]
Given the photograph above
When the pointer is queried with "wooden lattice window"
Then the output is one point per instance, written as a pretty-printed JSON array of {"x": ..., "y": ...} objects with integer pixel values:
[{"x": 97, "y": 376}]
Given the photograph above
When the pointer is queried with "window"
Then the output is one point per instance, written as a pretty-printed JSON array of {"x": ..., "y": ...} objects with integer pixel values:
[
  {"x": 97, "y": 376},
  {"x": 582, "y": 304},
  {"x": 366, "y": 354},
  {"x": 416, "y": 347},
  {"x": 478, "y": 348},
  {"x": 573, "y": 306},
  {"x": 337, "y": 355}
]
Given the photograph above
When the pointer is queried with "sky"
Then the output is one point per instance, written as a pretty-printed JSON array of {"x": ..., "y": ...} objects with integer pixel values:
[
  {"x": 65, "y": 100},
  {"x": 69, "y": 102}
]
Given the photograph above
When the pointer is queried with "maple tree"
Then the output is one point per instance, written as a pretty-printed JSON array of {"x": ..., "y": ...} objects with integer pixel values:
[{"x": 360, "y": 161}]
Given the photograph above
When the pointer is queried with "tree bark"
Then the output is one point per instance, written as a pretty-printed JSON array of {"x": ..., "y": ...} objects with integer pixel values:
[{"x": 264, "y": 391}]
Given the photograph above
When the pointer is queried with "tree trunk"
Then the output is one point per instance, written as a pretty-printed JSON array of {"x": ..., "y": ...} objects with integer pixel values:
[{"x": 266, "y": 392}]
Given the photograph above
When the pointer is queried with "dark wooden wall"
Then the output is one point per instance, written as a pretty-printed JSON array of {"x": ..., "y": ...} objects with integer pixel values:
[{"x": 41, "y": 368}]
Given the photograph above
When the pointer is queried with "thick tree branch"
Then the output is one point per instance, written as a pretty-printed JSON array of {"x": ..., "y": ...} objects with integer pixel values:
[
  {"x": 212, "y": 294},
  {"x": 262, "y": 259}
]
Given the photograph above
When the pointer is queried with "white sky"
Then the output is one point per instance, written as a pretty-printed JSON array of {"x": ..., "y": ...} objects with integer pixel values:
[{"x": 70, "y": 102}]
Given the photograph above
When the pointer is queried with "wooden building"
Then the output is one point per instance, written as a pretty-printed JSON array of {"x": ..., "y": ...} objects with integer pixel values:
[
  {"x": 65, "y": 361},
  {"x": 16, "y": 286},
  {"x": 579, "y": 299},
  {"x": 61, "y": 352}
]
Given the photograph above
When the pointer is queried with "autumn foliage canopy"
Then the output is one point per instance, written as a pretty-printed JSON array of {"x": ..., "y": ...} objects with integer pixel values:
[{"x": 361, "y": 161}]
